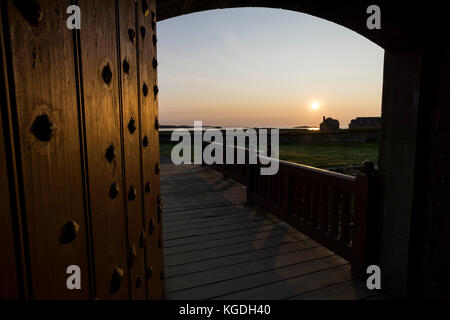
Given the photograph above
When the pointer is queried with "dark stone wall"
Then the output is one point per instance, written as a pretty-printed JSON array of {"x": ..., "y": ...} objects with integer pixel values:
[{"x": 401, "y": 91}]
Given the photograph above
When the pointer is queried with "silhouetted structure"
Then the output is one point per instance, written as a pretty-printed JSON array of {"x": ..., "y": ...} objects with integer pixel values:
[
  {"x": 365, "y": 123},
  {"x": 329, "y": 124}
]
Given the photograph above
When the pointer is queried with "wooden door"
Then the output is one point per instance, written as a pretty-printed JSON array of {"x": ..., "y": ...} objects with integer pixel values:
[{"x": 83, "y": 156}]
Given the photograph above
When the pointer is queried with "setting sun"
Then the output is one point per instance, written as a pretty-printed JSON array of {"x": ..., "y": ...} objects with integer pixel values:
[{"x": 315, "y": 105}]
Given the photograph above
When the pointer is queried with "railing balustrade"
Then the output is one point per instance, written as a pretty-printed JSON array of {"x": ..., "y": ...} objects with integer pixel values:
[{"x": 329, "y": 207}]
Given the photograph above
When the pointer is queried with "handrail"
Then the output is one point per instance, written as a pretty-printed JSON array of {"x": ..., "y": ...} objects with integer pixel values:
[
  {"x": 319, "y": 170},
  {"x": 290, "y": 163}
]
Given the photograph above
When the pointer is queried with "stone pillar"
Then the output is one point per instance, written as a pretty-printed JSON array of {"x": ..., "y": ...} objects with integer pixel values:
[
  {"x": 415, "y": 175},
  {"x": 401, "y": 88},
  {"x": 430, "y": 237}
]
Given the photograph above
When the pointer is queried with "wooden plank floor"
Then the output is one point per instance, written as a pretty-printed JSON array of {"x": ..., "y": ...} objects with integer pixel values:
[{"x": 217, "y": 247}]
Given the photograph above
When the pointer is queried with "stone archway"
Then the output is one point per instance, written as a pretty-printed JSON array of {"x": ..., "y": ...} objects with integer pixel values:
[{"x": 415, "y": 87}]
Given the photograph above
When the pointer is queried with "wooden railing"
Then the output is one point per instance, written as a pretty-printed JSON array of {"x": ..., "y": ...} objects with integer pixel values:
[
  {"x": 329, "y": 207},
  {"x": 237, "y": 172}
]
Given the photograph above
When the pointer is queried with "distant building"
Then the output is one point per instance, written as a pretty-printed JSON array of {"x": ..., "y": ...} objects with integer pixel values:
[
  {"x": 329, "y": 124},
  {"x": 365, "y": 123}
]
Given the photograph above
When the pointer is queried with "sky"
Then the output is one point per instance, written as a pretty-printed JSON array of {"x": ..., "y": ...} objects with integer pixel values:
[{"x": 265, "y": 67}]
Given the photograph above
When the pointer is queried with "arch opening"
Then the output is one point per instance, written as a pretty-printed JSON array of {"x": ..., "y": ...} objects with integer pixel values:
[{"x": 203, "y": 75}]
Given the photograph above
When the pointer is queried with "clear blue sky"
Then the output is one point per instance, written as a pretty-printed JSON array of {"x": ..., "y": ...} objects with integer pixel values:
[{"x": 265, "y": 67}]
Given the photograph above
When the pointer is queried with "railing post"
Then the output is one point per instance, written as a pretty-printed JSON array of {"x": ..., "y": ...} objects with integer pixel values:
[
  {"x": 360, "y": 225},
  {"x": 250, "y": 181},
  {"x": 373, "y": 229},
  {"x": 203, "y": 150},
  {"x": 286, "y": 190},
  {"x": 224, "y": 165},
  {"x": 367, "y": 233}
]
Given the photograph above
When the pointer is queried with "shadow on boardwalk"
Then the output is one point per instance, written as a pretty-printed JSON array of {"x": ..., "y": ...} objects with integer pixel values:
[{"x": 217, "y": 247}]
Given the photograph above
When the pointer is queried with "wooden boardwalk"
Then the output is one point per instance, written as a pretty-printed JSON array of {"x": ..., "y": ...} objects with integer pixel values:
[{"x": 217, "y": 247}]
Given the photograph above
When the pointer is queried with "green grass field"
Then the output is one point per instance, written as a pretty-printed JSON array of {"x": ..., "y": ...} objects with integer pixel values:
[
  {"x": 329, "y": 154},
  {"x": 165, "y": 148},
  {"x": 319, "y": 154}
]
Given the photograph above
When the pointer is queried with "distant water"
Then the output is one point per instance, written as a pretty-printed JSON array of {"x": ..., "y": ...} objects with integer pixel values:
[{"x": 236, "y": 128}]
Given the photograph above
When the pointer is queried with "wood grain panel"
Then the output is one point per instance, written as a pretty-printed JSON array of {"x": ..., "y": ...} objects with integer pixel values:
[
  {"x": 131, "y": 140},
  {"x": 46, "y": 115},
  {"x": 9, "y": 271},
  {"x": 98, "y": 41},
  {"x": 9, "y": 288},
  {"x": 150, "y": 151}
]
